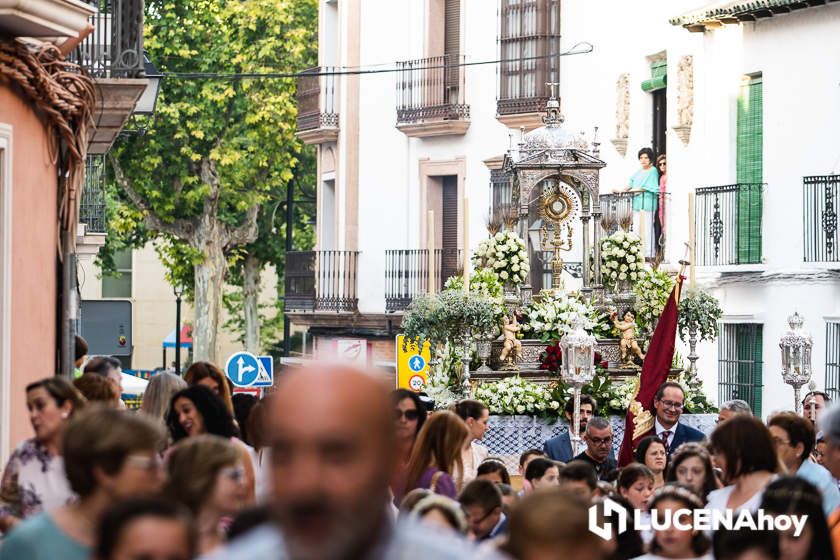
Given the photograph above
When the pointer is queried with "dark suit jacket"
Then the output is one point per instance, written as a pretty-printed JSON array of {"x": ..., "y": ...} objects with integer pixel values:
[
  {"x": 560, "y": 448},
  {"x": 684, "y": 434}
]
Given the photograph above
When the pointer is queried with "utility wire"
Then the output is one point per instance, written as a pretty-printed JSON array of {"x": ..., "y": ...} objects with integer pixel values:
[{"x": 579, "y": 48}]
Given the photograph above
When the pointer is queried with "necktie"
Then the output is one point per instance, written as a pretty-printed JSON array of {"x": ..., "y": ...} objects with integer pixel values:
[{"x": 666, "y": 436}]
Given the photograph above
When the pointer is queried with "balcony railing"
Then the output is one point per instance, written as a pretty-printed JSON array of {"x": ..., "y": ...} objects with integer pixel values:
[
  {"x": 115, "y": 47},
  {"x": 316, "y": 97},
  {"x": 819, "y": 205},
  {"x": 92, "y": 208},
  {"x": 321, "y": 281},
  {"x": 431, "y": 89},
  {"x": 728, "y": 222},
  {"x": 407, "y": 274}
]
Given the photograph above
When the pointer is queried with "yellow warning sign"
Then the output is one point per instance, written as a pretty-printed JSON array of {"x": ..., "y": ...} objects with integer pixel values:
[{"x": 412, "y": 365}]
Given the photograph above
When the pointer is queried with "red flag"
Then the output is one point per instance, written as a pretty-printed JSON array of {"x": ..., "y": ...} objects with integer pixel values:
[{"x": 657, "y": 364}]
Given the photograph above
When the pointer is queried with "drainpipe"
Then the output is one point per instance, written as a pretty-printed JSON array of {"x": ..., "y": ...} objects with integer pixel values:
[{"x": 69, "y": 306}]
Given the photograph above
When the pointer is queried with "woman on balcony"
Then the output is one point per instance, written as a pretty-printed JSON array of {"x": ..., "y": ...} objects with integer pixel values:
[{"x": 644, "y": 184}]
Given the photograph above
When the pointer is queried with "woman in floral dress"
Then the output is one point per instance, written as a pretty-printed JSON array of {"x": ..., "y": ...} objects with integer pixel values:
[{"x": 34, "y": 480}]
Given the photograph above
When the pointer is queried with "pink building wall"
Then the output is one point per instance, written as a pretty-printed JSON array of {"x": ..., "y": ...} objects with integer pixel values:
[{"x": 34, "y": 255}]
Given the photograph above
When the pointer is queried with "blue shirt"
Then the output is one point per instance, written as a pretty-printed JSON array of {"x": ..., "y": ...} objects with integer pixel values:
[
  {"x": 39, "y": 538},
  {"x": 822, "y": 479}
]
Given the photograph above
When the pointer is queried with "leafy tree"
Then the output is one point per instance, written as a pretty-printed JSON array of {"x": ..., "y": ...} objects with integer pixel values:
[
  {"x": 217, "y": 148},
  {"x": 251, "y": 322}
]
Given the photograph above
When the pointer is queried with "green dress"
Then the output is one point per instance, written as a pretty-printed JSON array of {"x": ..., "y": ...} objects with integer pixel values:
[{"x": 649, "y": 182}]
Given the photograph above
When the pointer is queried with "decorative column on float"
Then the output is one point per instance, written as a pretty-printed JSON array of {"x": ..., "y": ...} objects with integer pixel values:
[
  {"x": 796, "y": 346},
  {"x": 578, "y": 369}
]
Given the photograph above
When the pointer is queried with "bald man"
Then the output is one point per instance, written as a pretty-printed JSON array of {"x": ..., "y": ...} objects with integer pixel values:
[{"x": 333, "y": 454}]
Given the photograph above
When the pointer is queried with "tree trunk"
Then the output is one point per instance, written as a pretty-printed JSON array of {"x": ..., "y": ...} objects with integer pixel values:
[
  {"x": 250, "y": 294},
  {"x": 209, "y": 282}
]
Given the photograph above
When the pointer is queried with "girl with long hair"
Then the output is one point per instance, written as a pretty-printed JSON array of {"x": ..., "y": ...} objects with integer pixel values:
[{"x": 437, "y": 454}]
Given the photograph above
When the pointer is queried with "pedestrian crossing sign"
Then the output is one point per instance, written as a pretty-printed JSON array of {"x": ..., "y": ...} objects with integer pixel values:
[{"x": 412, "y": 365}]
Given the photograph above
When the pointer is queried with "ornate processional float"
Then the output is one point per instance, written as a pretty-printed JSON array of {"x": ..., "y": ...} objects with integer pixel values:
[{"x": 581, "y": 333}]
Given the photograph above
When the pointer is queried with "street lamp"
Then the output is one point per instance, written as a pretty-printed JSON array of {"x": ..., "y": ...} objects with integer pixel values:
[
  {"x": 148, "y": 99},
  {"x": 177, "y": 290},
  {"x": 796, "y": 346},
  {"x": 578, "y": 368}
]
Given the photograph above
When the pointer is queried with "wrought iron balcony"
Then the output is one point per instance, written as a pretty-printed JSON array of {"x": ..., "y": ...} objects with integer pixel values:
[
  {"x": 317, "y": 119},
  {"x": 819, "y": 206},
  {"x": 430, "y": 97},
  {"x": 115, "y": 47},
  {"x": 728, "y": 222},
  {"x": 407, "y": 274},
  {"x": 92, "y": 208},
  {"x": 321, "y": 281}
]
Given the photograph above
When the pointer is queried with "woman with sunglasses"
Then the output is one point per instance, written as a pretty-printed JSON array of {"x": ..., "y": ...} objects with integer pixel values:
[
  {"x": 409, "y": 416},
  {"x": 206, "y": 475}
]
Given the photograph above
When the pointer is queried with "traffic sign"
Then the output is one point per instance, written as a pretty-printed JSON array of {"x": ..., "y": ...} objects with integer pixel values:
[
  {"x": 412, "y": 365},
  {"x": 243, "y": 369},
  {"x": 265, "y": 377}
]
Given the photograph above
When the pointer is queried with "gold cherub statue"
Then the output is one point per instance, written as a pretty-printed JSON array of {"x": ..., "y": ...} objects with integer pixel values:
[
  {"x": 628, "y": 342},
  {"x": 511, "y": 348}
]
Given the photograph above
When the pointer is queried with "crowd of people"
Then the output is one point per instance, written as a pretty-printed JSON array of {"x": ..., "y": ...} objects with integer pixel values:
[{"x": 332, "y": 465}]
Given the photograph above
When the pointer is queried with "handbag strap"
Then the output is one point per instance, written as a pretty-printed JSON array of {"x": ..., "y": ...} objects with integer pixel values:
[{"x": 435, "y": 478}]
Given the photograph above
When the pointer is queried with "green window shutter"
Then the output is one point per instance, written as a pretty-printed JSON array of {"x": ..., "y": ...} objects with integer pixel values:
[
  {"x": 748, "y": 343},
  {"x": 749, "y": 169},
  {"x": 658, "y": 77}
]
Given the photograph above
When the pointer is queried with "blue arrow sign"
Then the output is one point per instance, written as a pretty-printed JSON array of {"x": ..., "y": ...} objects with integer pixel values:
[{"x": 242, "y": 369}]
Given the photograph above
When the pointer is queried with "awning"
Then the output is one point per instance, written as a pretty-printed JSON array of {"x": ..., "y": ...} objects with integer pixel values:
[
  {"x": 133, "y": 385},
  {"x": 717, "y": 14},
  {"x": 186, "y": 338}
]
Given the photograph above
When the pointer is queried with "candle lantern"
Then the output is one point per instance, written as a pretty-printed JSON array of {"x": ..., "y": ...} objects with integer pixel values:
[
  {"x": 796, "y": 346},
  {"x": 578, "y": 368}
]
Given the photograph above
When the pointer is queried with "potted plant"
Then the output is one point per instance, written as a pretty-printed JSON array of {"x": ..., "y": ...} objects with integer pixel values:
[{"x": 697, "y": 319}]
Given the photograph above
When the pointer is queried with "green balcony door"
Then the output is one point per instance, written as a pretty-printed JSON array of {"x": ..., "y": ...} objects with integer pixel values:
[{"x": 749, "y": 169}]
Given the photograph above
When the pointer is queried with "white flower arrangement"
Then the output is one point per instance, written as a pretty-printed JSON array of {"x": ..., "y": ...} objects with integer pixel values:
[
  {"x": 552, "y": 316},
  {"x": 514, "y": 395},
  {"x": 506, "y": 254},
  {"x": 652, "y": 291},
  {"x": 623, "y": 393},
  {"x": 621, "y": 258}
]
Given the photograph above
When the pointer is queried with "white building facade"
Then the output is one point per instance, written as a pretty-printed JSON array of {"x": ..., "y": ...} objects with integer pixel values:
[{"x": 744, "y": 104}]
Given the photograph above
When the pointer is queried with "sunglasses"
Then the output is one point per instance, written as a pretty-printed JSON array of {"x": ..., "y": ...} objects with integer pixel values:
[{"x": 410, "y": 415}]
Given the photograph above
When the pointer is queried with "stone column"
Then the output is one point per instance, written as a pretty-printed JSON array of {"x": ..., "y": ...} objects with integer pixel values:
[
  {"x": 597, "y": 284},
  {"x": 584, "y": 220}
]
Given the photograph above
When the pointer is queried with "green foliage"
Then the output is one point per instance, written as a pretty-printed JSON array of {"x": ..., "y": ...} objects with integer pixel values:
[
  {"x": 484, "y": 282},
  {"x": 700, "y": 311},
  {"x": 239, "y": 130},
  {"x": 271, "y": 319},
  {"x": 448, "y": 317},
  {"x": 696, "y": 401}
]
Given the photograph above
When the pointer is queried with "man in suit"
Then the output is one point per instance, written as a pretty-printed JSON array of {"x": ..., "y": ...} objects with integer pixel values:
[
  {"x": 668, "y": 404},
  {"x": 560, "y": 448}
]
